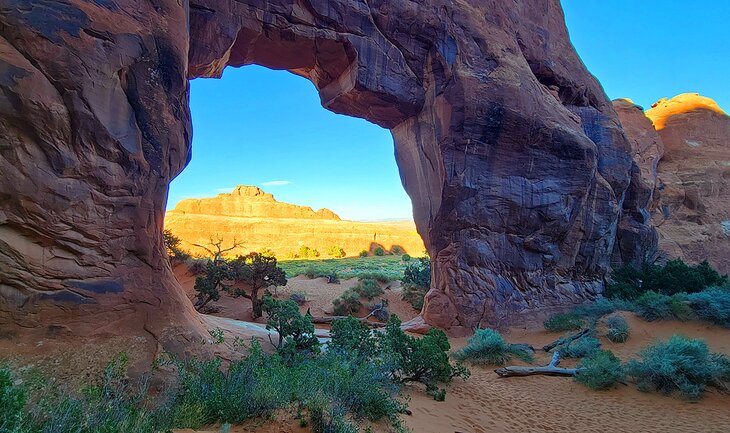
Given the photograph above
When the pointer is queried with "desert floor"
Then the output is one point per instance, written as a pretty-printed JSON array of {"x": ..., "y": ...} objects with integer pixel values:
[{"x": 487, "y": 403}]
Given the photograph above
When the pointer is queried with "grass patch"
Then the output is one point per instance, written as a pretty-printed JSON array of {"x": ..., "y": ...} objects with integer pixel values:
[
  {"x": 564, "y": 322},
  {"x": 388, "y": 267},
  {"x": 487, "y": 346}
]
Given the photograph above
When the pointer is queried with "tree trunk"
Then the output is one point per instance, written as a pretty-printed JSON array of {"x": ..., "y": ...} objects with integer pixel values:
[
  {"x": 256, "y": 304},
  {"x": 564, "y": 340},
  {"x": 551, "y": 369}
]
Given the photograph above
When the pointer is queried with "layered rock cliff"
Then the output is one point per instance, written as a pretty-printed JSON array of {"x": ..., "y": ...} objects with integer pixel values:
[
  {"x": 683, "y": 147},
  {"x": 256, "y": 219},
  {"x": 512, "y": 155}
]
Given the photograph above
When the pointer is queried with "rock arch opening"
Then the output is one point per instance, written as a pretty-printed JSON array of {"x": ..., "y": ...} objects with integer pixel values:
[
  {"x": 517, "y": 167},
  {"x": 275, "y": 170}
]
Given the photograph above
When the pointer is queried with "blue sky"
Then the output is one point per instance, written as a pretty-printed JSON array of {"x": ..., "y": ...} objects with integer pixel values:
[{"x": 261, "y": 127}]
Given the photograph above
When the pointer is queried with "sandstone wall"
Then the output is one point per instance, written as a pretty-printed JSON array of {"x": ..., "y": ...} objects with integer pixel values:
[
  {"x": 683, "y": 147},
  {"x": 513, "y": 156}
]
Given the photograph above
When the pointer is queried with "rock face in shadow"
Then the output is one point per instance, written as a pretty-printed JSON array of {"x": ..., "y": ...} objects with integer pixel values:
[
  {"x": 259, "y": 221},
  {"x": 513, "y": 156},
  {"x": 690, "y": 206}
]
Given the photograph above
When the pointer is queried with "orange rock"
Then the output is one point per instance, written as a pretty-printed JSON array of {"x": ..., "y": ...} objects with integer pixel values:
[{"x": 254, "y": 217}]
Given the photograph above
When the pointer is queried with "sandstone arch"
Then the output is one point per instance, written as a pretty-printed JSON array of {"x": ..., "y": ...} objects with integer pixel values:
[{"x": 513, "y": 156}]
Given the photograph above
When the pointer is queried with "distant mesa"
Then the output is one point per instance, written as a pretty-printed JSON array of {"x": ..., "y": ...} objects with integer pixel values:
[
  {"x": 250, "y": 202},
  {"x": 256, "y": 218}
]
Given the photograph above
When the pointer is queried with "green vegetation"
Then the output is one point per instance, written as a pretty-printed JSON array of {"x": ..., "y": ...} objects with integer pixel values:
[
  {"x": 396, "y": 250},
  {"x": 406, "y": 257},
  {"x": 388, "y": 267},
  {"x": 336, "y": 252},
  {"x": 379, "y": 251},
  {"x": 368, "y": 288},
  {"x": 712, "y": 305},
  {"x": 347, "y": 303},
  {"x": 673, "y": 277},
  {"x": 299, "y": 297},
  {"x": 680, "y": 364},
  {"x": 256, "y": 271},
  {"x": 653, "y": 306},
  {"x": 357, "y": 380},
  {"x": 314, "y": 272},
  {"x": 564, "y": 322},
  {"x": 582, "y": 347},
  {"x": 363, "y": 254},
  {"x": 601, "y": 370},
  {"x": 617, "y": 329},
  {"x": 487, "y": 346},
  {"x": 210, "y": 283},
  {"x": 172, "y": 243},
  {"x": 416, "y": 281}
]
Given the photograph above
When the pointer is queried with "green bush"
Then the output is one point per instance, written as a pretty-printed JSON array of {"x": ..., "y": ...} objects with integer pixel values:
[
  {"x": 396, "y": 250},
  {"x": 380, "y": 277},
  {"x": 601, "y": 307},
  {"x": 653, "y": 306},
  {"x": 12, "y": 401},
  {"x": 315, "y": 272},
  {"x": 680, "y": 364},
  {"x": 418, "y": 273},
  {"x": 363, "y": 254},
  {"x": 487, "y": 346},
  {"x": 712, "y": 305},
  {"x": 296, "y": 332},
  {"x": 299, "y": 297},
  {"x": 601, "y": 370},
  {"x": 674, "y": 277},
  {"x": 347, "y": 303},
  {"x": 563, "y": 322},
  {"x": 617, "y": 329},
  {"x": 423, "y": 360},
  {"x": 172, "y": 243},
  {"x": 336, "y": 252},
  {"x": 352, "y": 337},
  {"x": 414, "y": 295},
  {"x": 368, "y": 288},
  {"x": 406, "y": 257},
  {"x": 379, "y": 310},
  {"x": 579, "y": 348},
  {"x": 379, "y": 251}
]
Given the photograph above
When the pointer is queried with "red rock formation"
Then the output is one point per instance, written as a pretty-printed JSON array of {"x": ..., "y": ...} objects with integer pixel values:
[
  {"x": 508, "y": 147},
  {"x": 259, "y": 221},
  {"x": 693, "y": 215}
]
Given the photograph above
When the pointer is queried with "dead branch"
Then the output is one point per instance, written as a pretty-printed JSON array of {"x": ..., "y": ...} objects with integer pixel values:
[
  {"x": 565, "y": 340},
  {"x": 551, "y": 369}
]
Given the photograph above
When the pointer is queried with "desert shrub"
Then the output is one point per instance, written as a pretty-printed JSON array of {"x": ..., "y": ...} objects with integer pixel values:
[
  {"x": 601, "y": 307},
  {"x": 396, "y": 250},
  {"x": 351, "y": 336},
  {"x": 414, "y": 295},
  {"x": 423, "y": 360},
  {"x": 712, "y": 305},
  {"x": 347, "y": 303},
  {"x": 12, "y": 401},
  {"x": 172, "y": 243},
  {"x": 680, "y": 364},
  {"x": 563, "y": 322},
  {"x": 299, "y": 297},
  {"x": 579, "y": 348},
  {"x": 210, "y": 283},
  {"x": 255, "y": 271},
  {"x": 296, "y": 332},
  {"x": 673, "y": 277},
  {"x": 368, "y": 288},
  {"x": 617, "y": 329},
  {"x": 332, "y": 277},
  {"x": 379, "y": 251},
  {"x": 600, "y": 370},
  {"x": 306, "y": 252},
  {"x": 336, "y": 252},
  {"x": 363, "y": 253},
  {"x": 406, "y": 257},
  {"x": 653, "y": 306},
  {"x": 418, "y": 273},
  {"x": 312, "y": 272},
  {"x": 487, "y": 346}
]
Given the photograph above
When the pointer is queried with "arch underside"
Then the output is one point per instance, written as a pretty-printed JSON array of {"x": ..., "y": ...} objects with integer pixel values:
[{"x": 518, "y": 170}]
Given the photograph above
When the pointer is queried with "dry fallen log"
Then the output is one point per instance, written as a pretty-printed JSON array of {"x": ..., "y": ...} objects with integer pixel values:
[
  {"x": 551, "y": 369},
  {"x": 564, "y": 340}
]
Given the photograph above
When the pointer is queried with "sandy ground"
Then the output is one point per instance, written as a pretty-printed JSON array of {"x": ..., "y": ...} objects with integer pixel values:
[{"x": 487, "y": 403}]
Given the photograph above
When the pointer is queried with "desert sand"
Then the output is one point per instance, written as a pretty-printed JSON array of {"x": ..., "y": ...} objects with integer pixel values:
[{"x": 488, "y": 404}]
